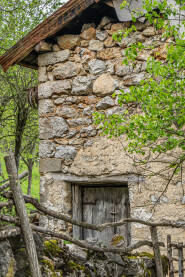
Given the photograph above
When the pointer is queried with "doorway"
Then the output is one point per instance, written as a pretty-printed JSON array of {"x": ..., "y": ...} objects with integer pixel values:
[{"x": 98, "y": 204}]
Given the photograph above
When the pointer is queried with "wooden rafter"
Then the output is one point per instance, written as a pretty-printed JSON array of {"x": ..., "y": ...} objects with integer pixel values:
[{"x": 47, "y": 28}]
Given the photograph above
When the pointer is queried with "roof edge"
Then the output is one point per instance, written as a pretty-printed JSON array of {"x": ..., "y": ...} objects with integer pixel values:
[{"x": 48, "y": 27}]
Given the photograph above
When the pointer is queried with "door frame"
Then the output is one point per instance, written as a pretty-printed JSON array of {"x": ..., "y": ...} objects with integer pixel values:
[{"x": 77, "y": 207}]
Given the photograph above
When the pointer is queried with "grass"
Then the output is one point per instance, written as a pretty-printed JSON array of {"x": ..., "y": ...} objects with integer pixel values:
[{"x": 24, "y": 182}]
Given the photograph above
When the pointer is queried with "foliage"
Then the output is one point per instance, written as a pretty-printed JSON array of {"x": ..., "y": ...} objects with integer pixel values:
[
  {"x": 18, "y": 121},
  {"x": 157, "y": 123},
  {"x": 19, "y": 17}
]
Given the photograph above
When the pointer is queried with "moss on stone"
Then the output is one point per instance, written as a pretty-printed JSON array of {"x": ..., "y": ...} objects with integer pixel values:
[
  {"x": 165, "y": 262},
  {"x": 146, "y": 271},
  {"x": 51, "y": 247},
  {"x": 57, "y": 273},
  {"x": 21, "y": 250},
  {"x": 48, "y": 263},
  {"x": 75, "y": 266},
  {"x": 11, "y": 272},
  {"x": 49, "y": 267}
]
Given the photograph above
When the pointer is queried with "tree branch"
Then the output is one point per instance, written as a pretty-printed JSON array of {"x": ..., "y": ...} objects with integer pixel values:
[
  {"x": 61, "y": 235},
  {"x": 101, "y": 227}
]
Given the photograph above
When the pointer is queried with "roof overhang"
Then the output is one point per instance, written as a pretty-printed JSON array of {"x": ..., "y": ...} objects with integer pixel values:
[
  {"x": 69, "y": 17},
  {"x": 22, "y": 49}
]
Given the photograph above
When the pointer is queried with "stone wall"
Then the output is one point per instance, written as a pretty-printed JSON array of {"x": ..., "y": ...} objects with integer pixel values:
[
  {"x": 56, "y": 259},
  {"x": 77, "y": 77}
]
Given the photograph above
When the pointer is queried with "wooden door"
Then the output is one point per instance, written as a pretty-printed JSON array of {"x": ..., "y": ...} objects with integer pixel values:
[{"x": 98, "y": 205}]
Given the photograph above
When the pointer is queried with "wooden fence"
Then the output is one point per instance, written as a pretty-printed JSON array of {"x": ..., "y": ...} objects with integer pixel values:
[
  {"x": 170, "y": 247},
  {"x": 15, "y": 197}
]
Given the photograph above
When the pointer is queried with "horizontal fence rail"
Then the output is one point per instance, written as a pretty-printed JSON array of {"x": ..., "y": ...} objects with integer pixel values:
[
  {"x": 154, "y": 243},
  {"x": 180, "y": 259}
]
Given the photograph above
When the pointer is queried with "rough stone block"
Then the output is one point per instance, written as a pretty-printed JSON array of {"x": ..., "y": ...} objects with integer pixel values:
[
  {"x": 45, "y": 106},
  {"x": 81, "y": 85},
  {"x": 97, "y": 67},
  {"x": 104, "y": 85},
  {"x": 91, "y": 100},
  {"x": 101, "y": 35},
  {"x": 42, "y": 75},
  {"x": 143, "y": 56},
  {"x": 46, "y": 149},
  {"x": 46, "y": 90},
  {"x": 53, "y": 58},
  {"x": 50, "y": 165},
  {"x": 88, "y": 34},
  {"x": 109, "y": 53},
  {"x": 140, "y": 26},
  {"x": 43, "y": 46},
  {"x": 114, "y": 110},
  {"x": 60, "y": 100},
  {"x": 88, "y": 132},
  {"x": 67, "y": 112},
  {"x": 135, "y": 79},
  {"x": 104, "y": 21},
  {"x": 65, "y": 152},
  {"x": 52, "y": 127},
  {"x": 122, "y": 70},
  {"x": 72, "y": 100},
  {"x": 84, "y": 43},
  {"x": 105, "y": 103},
  {"x": 138, "y": 67},
  {"x": 56, "y": 48},
  {"x": 79, "y": 121},
  {"x": 109, "y": 42},
  {"x": 68, "y": 41},
  {"x": 150, "y": 31},
  {"x": 66, "y": 70},
  {"x": 88, "y": 111},
  {"x": 95, "y": 45},
  {"x": 50, "y": 76},
  {"x": 107, "y": 27},
  {"x": 85, "y": 54},
  {"x": 139, "y": 38},
  {"x": 110, "y": 67},
  {"x": 116, "y": 27},
  {"x": 72, "y": 133},
  {"x": 87, "y": 26},
  {"x": 126, "y": 42},
  {"x": 161, "y": 52},
  {"x": 8, "y": 263}
]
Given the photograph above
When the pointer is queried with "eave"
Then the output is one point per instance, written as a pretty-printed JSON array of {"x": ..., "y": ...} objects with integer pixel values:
[{"x": 57, "y": 21}]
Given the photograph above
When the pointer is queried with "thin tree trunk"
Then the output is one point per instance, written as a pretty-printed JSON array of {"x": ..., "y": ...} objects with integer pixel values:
[
  {"x": 1, "y": 172},
  {"x": 30, "y": 170},
  {"x": 22, "y": 116},
  {"x": 21, "y": 210}
]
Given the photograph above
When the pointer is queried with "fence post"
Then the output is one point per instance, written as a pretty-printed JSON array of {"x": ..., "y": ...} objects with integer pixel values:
[
  {"x": 21, "y": 210},
  {"x": 180, "y": 251},
  {"x": 170, "y": 258},
  {"x": 157, "y": 254}
]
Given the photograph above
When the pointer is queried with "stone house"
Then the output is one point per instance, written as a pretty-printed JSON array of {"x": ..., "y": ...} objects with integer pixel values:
[{"x": 79, "y": 67}]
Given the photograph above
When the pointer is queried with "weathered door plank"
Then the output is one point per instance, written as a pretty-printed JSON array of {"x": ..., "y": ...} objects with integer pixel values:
[
  {"x": 98, "y": 211},
  {"x": 77, "y": 210}
]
